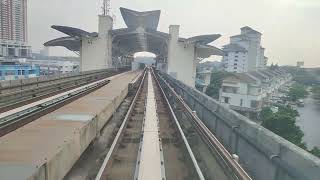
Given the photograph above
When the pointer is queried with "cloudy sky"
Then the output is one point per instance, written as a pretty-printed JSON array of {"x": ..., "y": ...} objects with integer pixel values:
[{"x": 290, "y": 27}]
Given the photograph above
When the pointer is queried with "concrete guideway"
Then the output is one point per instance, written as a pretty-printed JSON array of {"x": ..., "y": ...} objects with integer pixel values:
[
  {"x": 150, "y": 165},
  {"x": 48, "y": 147},
  {"x": 147, "y": 144}
]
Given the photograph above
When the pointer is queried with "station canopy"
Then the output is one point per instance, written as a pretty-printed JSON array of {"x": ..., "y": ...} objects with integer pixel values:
[{"x": 141, "y": 34}]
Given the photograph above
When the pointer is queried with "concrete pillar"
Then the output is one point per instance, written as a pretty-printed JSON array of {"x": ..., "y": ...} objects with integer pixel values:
[
  {"x": 96, "y": 52},
  {"x": 174, "y": 32},
  {"x": 181, "y": 58}
]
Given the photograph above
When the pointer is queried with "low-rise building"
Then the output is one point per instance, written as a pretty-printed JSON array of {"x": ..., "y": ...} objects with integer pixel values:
[
  {"x": 251, "y": 91},
  {"x": 18, "y": 71},
  {"x": 242, "y": 92},
  {"x": 54, "y": 64}
]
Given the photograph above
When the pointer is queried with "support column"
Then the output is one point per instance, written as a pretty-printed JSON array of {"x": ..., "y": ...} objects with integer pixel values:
[
  {"x": 96, "y": 52},
  {"x": 180, "y": 58}
]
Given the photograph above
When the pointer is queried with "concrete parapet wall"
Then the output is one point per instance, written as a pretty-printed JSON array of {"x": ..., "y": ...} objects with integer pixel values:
[
  {"x": 264, "y": 155},
  {"x": 58, "y": 166}
]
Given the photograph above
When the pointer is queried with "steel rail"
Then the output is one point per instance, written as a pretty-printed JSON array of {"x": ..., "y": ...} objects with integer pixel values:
[
  {"x": 230, "y": 162},
  {"x": 194, "y": 161},
  {"x": 11, "y": 120},
  {"x": 87, "y": 73},
  {"x": 119, "y": 135},
  {"x": 40, "y": 92}
]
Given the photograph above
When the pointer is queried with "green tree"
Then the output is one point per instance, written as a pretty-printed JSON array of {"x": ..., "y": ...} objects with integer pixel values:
[
  {"x": 284, "y": 126},
  {"x": 288, "y": 110},
  {"x": 266, "y": 113},
  {"x": 303, "y": 76},
  {"x": 213, "y": 91},
  {"x": 315, "y": 151},
  {"x": 216, "y": 83},
  {"x": 296, "y": 92},
  {"x": 283, "y": 123},
  {"x": 316, "y": 92}
]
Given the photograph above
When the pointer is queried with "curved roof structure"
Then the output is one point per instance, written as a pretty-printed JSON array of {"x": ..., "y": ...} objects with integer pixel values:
[
  {"x": 71, "y": 43},
  {"x": 135, "y": 19},
  {"x": 140, "y": 35},
  {"x": 203, "y": 39},
  {"x": 126, "y": 41},
  {"x": 74, "y": 32},
  {"x": 205, "y": 51}
]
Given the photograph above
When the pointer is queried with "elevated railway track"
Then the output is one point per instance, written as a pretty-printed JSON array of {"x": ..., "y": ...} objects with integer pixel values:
[
  {"x": 182, "y": 147},
  {"x": 159, "y": 136}
]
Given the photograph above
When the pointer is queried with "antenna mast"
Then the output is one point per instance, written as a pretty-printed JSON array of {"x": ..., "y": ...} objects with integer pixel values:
[
  {"x": 106, "y": 7},
  {"x": 106, "y": 10}
]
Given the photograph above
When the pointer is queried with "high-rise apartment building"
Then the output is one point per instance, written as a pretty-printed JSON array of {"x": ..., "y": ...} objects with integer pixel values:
[
  {"x": 13, "y": 29},
  {"x": 244, "y": 53}
]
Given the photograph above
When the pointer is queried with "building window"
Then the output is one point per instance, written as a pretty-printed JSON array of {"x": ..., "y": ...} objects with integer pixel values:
[
  {"x": 235, "y": 68},
  {"x": 236, "y": 60},
  {"x": 241, "y": 102},
  {"x": 228, "y": 89},
  {"x": 236, "y": 56},
  {"x": 226, "y": 100},
  {"x": 235, "y": 64}
]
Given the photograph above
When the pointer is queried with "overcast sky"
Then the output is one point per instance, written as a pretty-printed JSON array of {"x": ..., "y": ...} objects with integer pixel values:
[{"x": 290, "y": 28}]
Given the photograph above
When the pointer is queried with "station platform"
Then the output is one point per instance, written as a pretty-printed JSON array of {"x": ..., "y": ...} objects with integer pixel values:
[{"x": 47, "y": 148}]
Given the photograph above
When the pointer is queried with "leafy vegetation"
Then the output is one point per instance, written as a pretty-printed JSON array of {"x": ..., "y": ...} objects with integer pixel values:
[
  {"x": 316, "y": 92},
  {"x": 315, "y": 151},
  {"x": 306, "y": 77},
  {"x": 296, "y": 92},
  {"x": 215, "y": 83},
  {"x": 283, "y": 123}
]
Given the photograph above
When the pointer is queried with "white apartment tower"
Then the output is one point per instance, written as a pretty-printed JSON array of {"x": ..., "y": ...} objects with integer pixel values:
[
  {"x": 244, "y": 53},
  {"x": 13, "y": 29}
]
